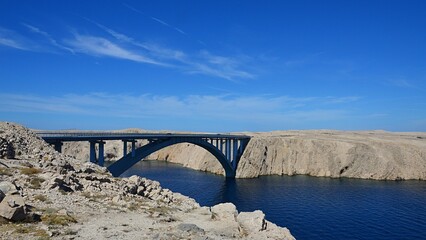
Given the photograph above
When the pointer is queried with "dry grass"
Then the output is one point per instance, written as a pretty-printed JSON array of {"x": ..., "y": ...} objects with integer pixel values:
[
  {"x": 36, "y": 182},
  {"x": 57, "y": 219},
  {"x": 40, "y": 198},
  {"x": 5, "y": 171},
  {"x": 21, "y": 231},
  {"x": 30, "y": 171}
]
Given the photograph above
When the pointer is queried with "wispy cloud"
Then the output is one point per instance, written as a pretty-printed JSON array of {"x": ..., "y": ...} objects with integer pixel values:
[
  {"x": 12, "y": 39},
  {"x": 120, "y": 46},
  {"x": 219, "y": 107},
  {"x": 162, "y": 22},
  {"x": 401, "y": 83},
  {"x": 202, "y": 63},
  {"x": 47, "y": 36},
  {"x": 98, "y": 46}
]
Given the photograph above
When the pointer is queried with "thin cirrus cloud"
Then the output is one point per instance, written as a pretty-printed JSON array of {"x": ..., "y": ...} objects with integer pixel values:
[
  {"x": 11, "y": 39},
  {"x": 47, "y": 36},
  {"x": 97, "y": 46},
  {"x": 124, "y": 47},
  {"x": 202, "y": 63},
  {"x": 216, "y": 107},
  {"x": 155, "y": 19}
]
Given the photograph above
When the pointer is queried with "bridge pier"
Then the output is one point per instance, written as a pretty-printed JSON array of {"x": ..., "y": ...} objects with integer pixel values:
[
  {"x": 125, "y": 147},
  {"x": 58, "y": 146},
  {"x": 101, "y": 155},
  {"x": 92, "y": 152}
]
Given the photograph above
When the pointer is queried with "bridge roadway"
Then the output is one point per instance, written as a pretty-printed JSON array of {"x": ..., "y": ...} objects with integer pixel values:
[{"x": 227, "y": 148}]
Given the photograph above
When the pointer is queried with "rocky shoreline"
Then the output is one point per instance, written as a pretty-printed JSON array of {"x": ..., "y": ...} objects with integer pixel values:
[
  {"x": 374, "y": 155},
  {"x": 48, "y": 195}
]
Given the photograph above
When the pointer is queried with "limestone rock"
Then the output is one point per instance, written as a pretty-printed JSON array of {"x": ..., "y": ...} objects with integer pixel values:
[
  {"x": 224, "y": 211},
  {"x": 2, "y": 195},
  {"x": 252, "y": 221},
  {"x": 6, "y": 149},
  {"x": 190, "y": 227},
  {"x": 8, "y": 188},
  {"x": 13, "y": 208}
]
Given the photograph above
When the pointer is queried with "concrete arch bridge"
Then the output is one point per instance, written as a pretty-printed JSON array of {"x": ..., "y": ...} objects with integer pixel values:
[{"x": 227, "y": 148}]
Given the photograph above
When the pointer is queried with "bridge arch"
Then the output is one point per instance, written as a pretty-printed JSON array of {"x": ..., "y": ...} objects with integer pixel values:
[{"x": 127, "y": 161}]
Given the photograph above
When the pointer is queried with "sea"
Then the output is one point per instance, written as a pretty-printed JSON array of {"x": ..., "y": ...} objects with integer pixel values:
[{"x": 310, "y": 207}]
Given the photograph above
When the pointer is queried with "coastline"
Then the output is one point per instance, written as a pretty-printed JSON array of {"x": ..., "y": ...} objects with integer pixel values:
[
  {"x": 376, "y": 155},
  {"x": 48, "y": 195}
]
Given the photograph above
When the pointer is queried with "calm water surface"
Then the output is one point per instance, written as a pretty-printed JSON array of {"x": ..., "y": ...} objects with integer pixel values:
[{"x": 312, "y": 208}]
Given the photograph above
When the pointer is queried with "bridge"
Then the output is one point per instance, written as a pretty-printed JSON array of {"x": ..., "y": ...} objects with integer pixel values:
[{"x": 227, "y": 148}]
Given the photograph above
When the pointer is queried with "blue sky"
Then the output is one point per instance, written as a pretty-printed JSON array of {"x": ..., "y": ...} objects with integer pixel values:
[{"x": 214, "y": 66}]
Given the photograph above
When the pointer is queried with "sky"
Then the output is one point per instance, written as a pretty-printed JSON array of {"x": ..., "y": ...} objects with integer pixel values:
[{"x": 214, "y": 66}]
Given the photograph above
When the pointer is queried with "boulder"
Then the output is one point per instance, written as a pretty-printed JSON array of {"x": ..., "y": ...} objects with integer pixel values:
[
  {"x": 13, "y": 208},
  {"x": 6, "y": 149},
  {"x": 8, "y": 188},
  {"x": 2, "y": 195},
  {"x": 224, "y": 211},
  {"x": 135, "y": 179},
  {"x": 252, "y": 221}
]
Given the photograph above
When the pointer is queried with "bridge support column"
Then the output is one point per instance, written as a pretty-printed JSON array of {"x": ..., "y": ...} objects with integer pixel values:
[
  {"x": 220, "y": 145},
  {"x": 133, "y": 148},
  {"x": 124, "y": 148},
  {"x": 101, "y": 158},
  {"x": 58, "y": 146},
  {"x": 228, "y": 149},
  {"x": 234, "y": 153},
  {"x": 92, "y": 152}
]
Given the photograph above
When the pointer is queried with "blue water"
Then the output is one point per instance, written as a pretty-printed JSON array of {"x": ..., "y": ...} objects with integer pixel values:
[{"x": 312, "y": 208}]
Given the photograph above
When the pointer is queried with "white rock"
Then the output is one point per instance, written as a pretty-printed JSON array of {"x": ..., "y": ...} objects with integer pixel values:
[
  {"x": 252, "y": 221},
  {"x": 8, "y": 188},
  {"x": 224, "y": 211},
  {"x": 13, "y": 208}
]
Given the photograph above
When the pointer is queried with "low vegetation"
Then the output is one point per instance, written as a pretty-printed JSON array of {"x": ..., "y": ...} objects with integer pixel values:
[
  {"x": 57, "y": 219},
  {"x": 41, "y": 198},
  {"x": 5, "y": 171},
  {"x": 36, "y": 182},
  {"x": 30, "y": 171}
]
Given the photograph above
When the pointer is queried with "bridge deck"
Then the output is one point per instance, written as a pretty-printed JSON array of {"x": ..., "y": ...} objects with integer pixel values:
[{"x": 101, "y": 136}]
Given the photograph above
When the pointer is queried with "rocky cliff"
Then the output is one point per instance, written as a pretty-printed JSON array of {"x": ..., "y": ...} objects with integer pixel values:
[
  {"x": 48, "y": 195},
  {"x": 366, "y": 154}
]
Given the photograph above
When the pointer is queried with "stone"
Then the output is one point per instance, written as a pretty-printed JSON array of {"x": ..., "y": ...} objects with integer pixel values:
[
  {"x": 13, "y": 208},
  {"x": 190, "y": 227},
  {"x": 8, "y": 188},
  {"x": 60, "y": 183},
  {"x": 252, "y": 221},
  {"x": 117, "y": 199},
  {"x": 2, "y": 195},
  {"x": 224, "y": 211},
  {"x": 6, "y": 149},
  {"x": 135, "y": 179},
  {"x": 63, "y": 212}
]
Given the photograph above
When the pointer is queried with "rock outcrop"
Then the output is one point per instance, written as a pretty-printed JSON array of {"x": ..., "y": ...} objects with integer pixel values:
[
  {"x": 41, "y": 189},
  {"x": 369, "y": 155}
]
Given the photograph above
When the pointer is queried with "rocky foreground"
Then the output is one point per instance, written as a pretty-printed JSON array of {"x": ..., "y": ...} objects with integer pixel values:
[
  {"x": 48, "y": 195},
  {"x": 375, "y": 155}
]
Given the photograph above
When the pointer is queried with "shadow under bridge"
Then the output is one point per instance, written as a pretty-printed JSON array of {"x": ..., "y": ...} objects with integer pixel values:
[{"x": 226, "y": 148}]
